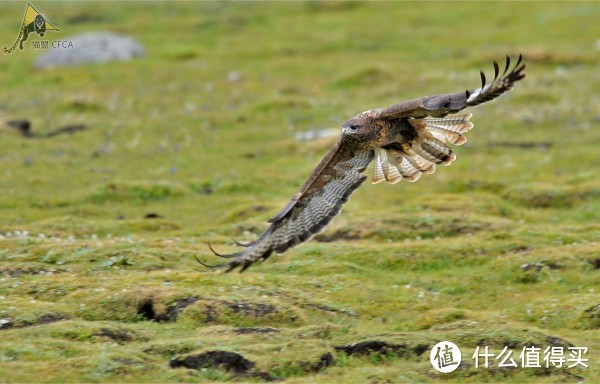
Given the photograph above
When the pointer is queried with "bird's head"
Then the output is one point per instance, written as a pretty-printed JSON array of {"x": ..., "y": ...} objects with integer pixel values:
[
  {"x": 364, "y": 130},
  {"x": 357, "y": 125}
]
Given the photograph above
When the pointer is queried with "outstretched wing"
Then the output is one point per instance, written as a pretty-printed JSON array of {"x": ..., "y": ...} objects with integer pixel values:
[
  {"x": 442, "y": 105},
  {"x": 314, "y": 206}
]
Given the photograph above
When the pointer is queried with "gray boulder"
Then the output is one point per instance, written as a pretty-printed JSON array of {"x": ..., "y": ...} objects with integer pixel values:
[{"x": 93, "y": 47}]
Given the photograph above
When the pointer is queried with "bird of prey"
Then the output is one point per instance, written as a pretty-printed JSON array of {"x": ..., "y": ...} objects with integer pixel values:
[{"x": 405, "y": 141}]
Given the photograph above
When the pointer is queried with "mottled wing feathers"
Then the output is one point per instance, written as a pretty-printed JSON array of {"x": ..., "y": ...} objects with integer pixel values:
[
  {"x": 442, "y": 105},
  {"x": 314, "y": 181},
  {"x": 314, "y": 206}
]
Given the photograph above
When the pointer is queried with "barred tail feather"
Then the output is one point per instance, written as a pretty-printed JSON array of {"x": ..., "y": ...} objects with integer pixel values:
[
  {"x": 378, "y": 175},
  {"x": 408, "y": 170},
  {"x": 395, "y": 166},
  {"x": 386, "y": 167},
  {"x": 421, "y": 164},
  {"x": 412, "y": 166},
  {"x": 392, "y": 166},
  {"x": 435, "y": 151}
]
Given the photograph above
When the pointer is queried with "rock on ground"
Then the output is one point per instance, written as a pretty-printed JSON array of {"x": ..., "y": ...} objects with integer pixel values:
[{"x": 92, "y": 47}]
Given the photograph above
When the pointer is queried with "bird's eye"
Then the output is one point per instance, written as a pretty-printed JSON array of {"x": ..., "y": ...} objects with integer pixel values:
[{"x": 351, "y": 128}]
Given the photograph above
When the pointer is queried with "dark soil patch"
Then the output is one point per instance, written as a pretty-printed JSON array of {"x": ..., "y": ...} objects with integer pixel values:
[
  {"x": 380, "y": 347},
  {"x": 176, "y": 308},
  {"x": 49, "y": 318},
  {"x": 326, "y": 360},
  {"x": 229, "y": 361},
  {"x": 372, "y": 347},
  {"x": 153, "y": 215},
  {"x": 116, "y": 335},
  {"x": 552, "y": 264},
  {"x": 595, "y": 263},
  {"x": 43, "y": 319},
  {"x": 6, "y": 323},
  {"x": 22, "y": 126},
  {"x": 419, "y": 349},
  {"x": 70, "y": 129},
  {"x": 146, "y": 310}
]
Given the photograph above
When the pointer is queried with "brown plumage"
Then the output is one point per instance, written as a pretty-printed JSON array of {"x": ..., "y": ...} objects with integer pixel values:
[{"x": 406, "y": 140}]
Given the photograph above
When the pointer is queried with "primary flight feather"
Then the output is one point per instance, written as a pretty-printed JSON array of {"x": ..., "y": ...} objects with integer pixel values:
[{"x": 405, "y": 141}]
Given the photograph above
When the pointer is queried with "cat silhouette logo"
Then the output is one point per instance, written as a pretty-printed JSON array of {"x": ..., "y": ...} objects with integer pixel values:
[{"x": 33, "y": 22}]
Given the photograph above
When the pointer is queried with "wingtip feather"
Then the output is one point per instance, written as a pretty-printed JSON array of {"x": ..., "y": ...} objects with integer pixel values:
[{"x": 507, "y": 64}]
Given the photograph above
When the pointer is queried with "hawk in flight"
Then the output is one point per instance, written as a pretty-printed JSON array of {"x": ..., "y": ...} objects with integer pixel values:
[{"x": 405, "y": 141}]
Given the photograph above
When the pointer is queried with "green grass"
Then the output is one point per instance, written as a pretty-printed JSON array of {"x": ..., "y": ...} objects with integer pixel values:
[{"x": 83, "y": 272}]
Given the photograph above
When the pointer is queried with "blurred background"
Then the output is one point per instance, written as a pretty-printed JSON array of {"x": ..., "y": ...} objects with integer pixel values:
[{"x": 224, "y": 88}]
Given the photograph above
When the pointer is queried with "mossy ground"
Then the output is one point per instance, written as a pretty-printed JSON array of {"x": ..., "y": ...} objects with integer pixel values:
[{"x": 201, "y": 134}]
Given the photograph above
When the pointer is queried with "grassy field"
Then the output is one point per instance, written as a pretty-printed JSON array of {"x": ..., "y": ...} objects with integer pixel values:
[{"x": 196, "y": 143}]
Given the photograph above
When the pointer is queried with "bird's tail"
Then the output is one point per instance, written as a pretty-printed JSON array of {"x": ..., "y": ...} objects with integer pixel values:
[{"x": 428, "y": 149}]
